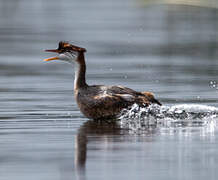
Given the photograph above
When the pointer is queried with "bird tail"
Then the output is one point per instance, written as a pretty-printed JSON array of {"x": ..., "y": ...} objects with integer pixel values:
[{"x": 151, "y": 98}]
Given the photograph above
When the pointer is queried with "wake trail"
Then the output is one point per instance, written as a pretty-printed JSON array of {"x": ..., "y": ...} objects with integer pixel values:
[{"x": 184, "y": 115}]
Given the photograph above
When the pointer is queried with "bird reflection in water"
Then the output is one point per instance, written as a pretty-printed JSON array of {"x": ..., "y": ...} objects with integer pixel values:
[
  {"x": 105, "y": 130},
  {"x": 91, "y": 128}
]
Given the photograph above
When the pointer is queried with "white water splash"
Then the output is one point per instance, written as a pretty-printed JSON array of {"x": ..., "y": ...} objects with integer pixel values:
[{"x": 139, "y": 118}]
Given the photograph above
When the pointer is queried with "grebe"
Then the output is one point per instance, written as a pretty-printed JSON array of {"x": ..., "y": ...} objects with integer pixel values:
[{"x": 98, "y": 101}]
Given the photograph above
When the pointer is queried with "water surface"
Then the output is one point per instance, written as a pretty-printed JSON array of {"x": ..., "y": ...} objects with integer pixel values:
[{"x": 169, "y": 50}]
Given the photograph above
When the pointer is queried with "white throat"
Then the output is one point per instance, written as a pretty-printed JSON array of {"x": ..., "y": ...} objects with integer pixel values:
[{"x": 76, "y": 70}]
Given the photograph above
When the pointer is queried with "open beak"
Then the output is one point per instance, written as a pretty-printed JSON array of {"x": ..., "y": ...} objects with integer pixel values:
[{"x": 52, "y": 58}]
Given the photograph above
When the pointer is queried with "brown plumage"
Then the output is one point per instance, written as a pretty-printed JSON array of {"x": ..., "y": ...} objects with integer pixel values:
[{"x": 98, "y": 101}]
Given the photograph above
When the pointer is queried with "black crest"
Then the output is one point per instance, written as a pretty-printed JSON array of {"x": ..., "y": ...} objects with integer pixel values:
[{"x": 66, "y": 46}]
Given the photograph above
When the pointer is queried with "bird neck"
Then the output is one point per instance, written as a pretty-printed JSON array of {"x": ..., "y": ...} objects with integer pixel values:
[{"x": 80, "y": 72}]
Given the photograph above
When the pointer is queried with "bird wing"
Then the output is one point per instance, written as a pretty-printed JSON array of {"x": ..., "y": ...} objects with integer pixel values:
[
  {"x": 122, "y": 90},
  {"x": 129, "y": 94},
  {"x": 119, "y": 96},
  {"x": 112, "y": 98}
]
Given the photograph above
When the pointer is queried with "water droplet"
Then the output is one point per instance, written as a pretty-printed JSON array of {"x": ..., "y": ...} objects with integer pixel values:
[{"x": 213, "y": 84}]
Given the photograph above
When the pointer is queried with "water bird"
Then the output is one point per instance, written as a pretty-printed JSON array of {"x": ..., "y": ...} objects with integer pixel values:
[{"x": 98, "y": 101}]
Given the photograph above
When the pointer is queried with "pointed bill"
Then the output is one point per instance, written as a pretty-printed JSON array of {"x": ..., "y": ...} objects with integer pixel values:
[{"x": 53, "y": 50}]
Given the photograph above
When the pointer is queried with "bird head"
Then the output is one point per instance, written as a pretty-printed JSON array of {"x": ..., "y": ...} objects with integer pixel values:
[{"x": 66, "y": 52}]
